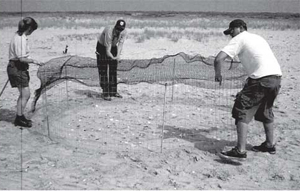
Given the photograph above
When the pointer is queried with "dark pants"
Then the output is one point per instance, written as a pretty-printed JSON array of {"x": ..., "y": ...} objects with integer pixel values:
[{"x": 107, "y": 69}]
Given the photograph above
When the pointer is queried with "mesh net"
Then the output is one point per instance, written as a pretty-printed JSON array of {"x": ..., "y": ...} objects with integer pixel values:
[{"x": 178, "y": 68}]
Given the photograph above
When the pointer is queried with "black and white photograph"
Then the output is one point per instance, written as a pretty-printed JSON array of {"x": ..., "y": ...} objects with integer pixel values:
[{"x": 149, "y": 95}]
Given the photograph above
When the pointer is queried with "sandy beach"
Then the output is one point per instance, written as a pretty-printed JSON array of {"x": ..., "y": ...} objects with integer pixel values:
[{"x": 80, "y": 141}]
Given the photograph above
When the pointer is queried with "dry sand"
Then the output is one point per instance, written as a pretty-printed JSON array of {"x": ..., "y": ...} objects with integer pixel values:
[{"x": 97, "y": 144}]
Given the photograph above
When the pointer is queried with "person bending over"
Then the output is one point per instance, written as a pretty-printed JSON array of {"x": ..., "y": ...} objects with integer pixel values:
[
  {"x": 108, "y": 51},
  {"x": 262, "y": 86}
]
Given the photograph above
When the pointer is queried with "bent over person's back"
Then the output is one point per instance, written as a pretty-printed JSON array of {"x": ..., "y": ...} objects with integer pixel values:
[
  {"x": 255, "y": 55},
  {"x": 257, "y": 97}
]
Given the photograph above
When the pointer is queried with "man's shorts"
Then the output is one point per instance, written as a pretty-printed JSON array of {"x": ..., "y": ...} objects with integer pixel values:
[
  {"x": 256, "y": 100},
  {"x": 18, "y": 74}
]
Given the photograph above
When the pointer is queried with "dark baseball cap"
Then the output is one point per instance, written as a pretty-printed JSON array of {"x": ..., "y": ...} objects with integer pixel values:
[
  {"x": 235, "y": 23},
  {"x": 120, "y": 24}
]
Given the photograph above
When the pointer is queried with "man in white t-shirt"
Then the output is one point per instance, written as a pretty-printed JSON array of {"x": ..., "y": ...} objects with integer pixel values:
[{"x": 258, "y": 94}]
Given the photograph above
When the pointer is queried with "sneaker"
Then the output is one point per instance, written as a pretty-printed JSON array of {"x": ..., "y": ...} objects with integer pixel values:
[
  {"x": 234, "y": 153},
  {"x": 21, "y": 122},
  {"x": 264, "y": 148},
  {"x": 116, "y": 95}
]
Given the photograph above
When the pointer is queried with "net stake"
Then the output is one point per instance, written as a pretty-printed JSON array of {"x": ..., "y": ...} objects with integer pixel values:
[{"x": 163, "y": 123}]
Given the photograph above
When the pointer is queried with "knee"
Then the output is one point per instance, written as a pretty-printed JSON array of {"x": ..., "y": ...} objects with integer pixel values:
[{"x": 26, "y": 94}]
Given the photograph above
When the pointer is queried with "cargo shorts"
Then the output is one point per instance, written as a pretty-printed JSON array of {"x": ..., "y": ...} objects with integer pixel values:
[{"x": 256, "y": 100}]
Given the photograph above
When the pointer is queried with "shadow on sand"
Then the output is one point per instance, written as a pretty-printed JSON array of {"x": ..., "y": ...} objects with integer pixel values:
[
  {"x": 89, "y": 93},
  {"x": 201, "y": 141},
  {"x": 7, "y": 115}
]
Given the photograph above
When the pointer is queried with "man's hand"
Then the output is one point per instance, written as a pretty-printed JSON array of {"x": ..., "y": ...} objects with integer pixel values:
[
  {"x": 118, "y": 58},
  {"x": 36, "y": 62},
  {"x": 217, "y": 64},
  {"x": 218, "y": 78},
  {"x": 115, "y": 58}
]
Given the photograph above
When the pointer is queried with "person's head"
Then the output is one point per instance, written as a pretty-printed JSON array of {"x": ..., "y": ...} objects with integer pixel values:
[
  {"x": 236, "y": 27},
  {"x": 120, "y": 26},
  {"x": 26, "y": 26}
]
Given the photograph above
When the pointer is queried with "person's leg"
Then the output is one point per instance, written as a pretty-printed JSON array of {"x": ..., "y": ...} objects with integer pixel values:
[
  {"x": 242, "y": 129},
  {"x": 22, "y": 100},
  {"x": 102, "y": 70},
  {"x": 99, "y": 69},
  {"x": 243, "y": 111},
  {"x": 102, "y": 63},
  {"x": 103, "y": 67},
  {"x": 269, "y": 131},
  {"x": 265, "y": 113},
  {"x": 239, "y": 151},
  {"x": 113, "y": 75},
  {"x": 113, "y": 79},
  {"x": 21, "y": 105},
  {"x": 269, "y": 144}
]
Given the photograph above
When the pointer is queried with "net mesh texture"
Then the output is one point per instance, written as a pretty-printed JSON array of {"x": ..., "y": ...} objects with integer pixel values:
[{"x": 178, "y": 68}]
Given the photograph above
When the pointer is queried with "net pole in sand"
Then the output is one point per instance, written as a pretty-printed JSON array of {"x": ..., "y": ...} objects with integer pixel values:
[
  {"x": 47, "y": 116},
  {"x": 4, "y": 87},
  {"x": 163, "y": 122},
  {"x": 173, "y": 82},
  {"x": 67, "y": 90}
]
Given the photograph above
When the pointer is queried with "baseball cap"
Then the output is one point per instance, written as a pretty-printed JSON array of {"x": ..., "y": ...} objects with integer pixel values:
[
  {"x": 120, "y": 24},
  {"x": 235, "y": 23}
]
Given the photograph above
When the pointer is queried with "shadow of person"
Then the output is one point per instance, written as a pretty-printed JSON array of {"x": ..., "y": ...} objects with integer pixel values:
[
  {"x": 201, "y": 140},
  {"x": 7, "y": 115},
  {"x": 231, "y": 162},
  {"x": 198, "y": 137},
  {"x": 89, "y": 93}
]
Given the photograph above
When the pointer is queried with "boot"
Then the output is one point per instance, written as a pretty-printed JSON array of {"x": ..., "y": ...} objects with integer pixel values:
[
  {"x": 105, "y": 94},
  {"x": 19, "y": 121},
  {"x": 117, "y": 95},
  {"x": 25, "y": 119},
  {"x": 114, "y": 92}
]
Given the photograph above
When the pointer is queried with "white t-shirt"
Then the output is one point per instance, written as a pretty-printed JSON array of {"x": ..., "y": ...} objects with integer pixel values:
[
  {"x": 18, "y": 47},
  {"x": 255, "y": 55}
]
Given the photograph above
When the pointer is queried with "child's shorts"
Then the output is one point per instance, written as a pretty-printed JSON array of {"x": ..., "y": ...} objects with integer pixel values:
[{"x": 18, "y": 74}]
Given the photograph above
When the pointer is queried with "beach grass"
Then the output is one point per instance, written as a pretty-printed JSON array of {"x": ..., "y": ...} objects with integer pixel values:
[{"x": 146, "y": 25}]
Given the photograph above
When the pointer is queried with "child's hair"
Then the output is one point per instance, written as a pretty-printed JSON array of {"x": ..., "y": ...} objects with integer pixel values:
[{"x": 25, "y": 24}]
